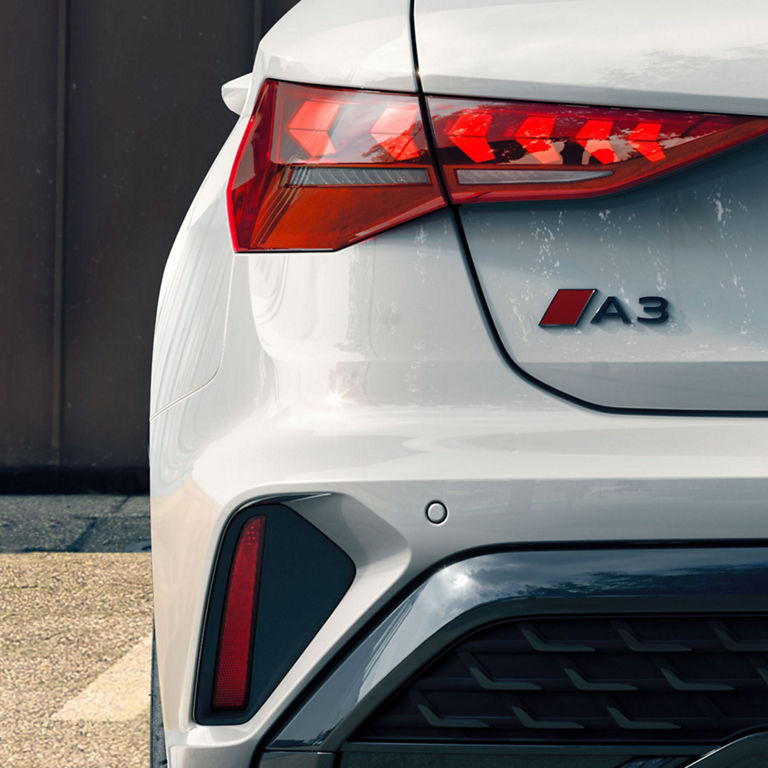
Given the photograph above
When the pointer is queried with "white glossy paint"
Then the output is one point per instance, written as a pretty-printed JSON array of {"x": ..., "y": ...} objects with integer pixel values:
[
  {"x": 373, "y": 414},
  {"x": 355, "y": 44},
  {"x": 689, "y": 54},
  {"x": 348, "y": 43},
  {"x": 366, "y": 383},
  {"x": 189, "y": 330},
  {"x": 696, "y": 239},
  {"x": 235, "y": 92}
]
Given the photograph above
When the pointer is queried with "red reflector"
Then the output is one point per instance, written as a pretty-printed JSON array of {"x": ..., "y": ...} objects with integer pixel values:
[
  {"x": 233, "y": 660},
  {"x": 321, "y": 168},
  {"x": 498, "y": 150}
]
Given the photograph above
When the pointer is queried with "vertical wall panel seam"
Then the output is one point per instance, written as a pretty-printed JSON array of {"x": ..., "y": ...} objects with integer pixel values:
[
  {"x": 62, "y": 97},
  {"x": 258, "y": 24}
]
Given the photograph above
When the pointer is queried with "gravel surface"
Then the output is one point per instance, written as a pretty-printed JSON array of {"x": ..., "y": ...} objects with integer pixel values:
[{"x": 66, "y": 619}]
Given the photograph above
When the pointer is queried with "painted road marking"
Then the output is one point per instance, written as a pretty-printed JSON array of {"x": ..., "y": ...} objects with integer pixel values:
[{"x": 119, "y": 694}]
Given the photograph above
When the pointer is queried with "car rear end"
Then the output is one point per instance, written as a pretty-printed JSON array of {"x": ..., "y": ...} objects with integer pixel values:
[{"x": 458, "y": 440}]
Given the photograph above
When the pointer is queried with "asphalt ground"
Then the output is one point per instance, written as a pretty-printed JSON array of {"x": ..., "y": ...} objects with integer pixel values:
[
  {"x": 69, "y": 523},
  {"x": 75, "y": 631}
]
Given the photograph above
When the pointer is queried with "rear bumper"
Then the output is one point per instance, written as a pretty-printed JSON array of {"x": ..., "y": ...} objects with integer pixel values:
[
  {"x": 557, "y": 648},
  {"x": 358, "y": 420},
  {"x": 647, "y": 593},
  {"x": 508, "y": 482}
]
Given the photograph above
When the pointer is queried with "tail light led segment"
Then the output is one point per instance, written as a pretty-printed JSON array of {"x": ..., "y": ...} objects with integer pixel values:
[
  {"x": 233, "y": 658},
  {"x": 320, "y": 168},
  {"x": 503, "y": 151}
]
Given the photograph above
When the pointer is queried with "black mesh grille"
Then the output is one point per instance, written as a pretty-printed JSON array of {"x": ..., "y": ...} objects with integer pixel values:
[{"x": 619, "y": 679}]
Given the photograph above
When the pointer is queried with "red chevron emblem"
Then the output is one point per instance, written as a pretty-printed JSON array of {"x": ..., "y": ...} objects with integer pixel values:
[{"x": 567, "y": 307}]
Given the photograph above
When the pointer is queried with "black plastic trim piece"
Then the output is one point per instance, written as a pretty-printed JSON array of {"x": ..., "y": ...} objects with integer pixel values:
[
  {"x": 416, "y": 757},
  {"x": 542, "y": 546},
  {"x": 304, "y": 576},
  {"x": 508, "y": 585},
  {"x": 533, "y": 750},
  {"x": 612, "y": 711}
]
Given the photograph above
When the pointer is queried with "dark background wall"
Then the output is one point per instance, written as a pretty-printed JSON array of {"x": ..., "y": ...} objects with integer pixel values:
[{"x": 111, "y": 117}]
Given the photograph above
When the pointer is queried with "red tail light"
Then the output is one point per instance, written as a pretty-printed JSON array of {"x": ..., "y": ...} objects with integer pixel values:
[
  {"x": 233, "y": 659},
  {"x": 320, "y": 168},
  {"x": 495, "y": 150}
]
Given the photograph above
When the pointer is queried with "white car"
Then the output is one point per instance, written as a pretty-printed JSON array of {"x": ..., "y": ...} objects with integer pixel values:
[{"x": 458, "y": 438}]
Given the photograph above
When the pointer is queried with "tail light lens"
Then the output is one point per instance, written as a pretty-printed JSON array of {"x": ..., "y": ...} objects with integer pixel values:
[
  {"x": 503, "y": 151},
  {"x": 233, "y": 659},
  {"x": 321, "y": 168}
]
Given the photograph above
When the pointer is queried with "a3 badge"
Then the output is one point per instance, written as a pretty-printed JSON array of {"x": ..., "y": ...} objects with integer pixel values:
[{"x": 569, "y": 306}]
